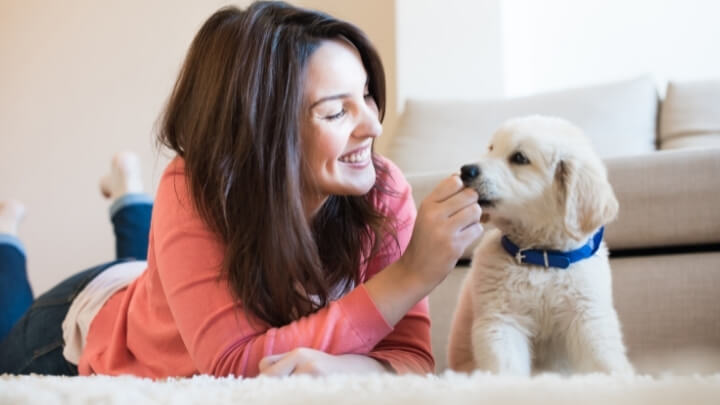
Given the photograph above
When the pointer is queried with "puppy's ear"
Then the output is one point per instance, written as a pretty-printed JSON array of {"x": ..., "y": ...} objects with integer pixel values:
[{"x": 586, "y": 196}]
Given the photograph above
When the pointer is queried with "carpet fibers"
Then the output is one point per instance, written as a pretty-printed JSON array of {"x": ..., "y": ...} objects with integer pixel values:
[{"x": 448, "y": 388}]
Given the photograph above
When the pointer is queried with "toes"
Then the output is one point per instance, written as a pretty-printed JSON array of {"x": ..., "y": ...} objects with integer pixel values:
[
  {"x": 105, "y": 186},
  {"x": 125, "y": 176},
  {"x": 13, "y": 208},
  {"x": 126, "y": 162},
  {"x": 12, "y": 213}
]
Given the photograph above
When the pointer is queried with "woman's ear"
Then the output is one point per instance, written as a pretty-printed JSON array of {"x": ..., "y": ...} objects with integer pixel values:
[{"x": 586, "y": 196}]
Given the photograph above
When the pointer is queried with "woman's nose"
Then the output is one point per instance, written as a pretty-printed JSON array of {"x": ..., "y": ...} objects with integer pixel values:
[{"x": 369, "y": 124}]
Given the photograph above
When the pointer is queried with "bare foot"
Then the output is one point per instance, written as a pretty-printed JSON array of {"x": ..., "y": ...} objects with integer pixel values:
[
  {"x": 12, "y": 213},
  {"x": 125, "y": 176}
]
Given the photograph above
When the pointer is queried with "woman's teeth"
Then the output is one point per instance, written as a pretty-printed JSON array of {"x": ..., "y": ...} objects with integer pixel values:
[{"x": 356, "y": 157}]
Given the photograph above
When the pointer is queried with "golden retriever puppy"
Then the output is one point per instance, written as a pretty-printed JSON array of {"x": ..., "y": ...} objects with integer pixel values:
[{"x": 538, "y": 296}]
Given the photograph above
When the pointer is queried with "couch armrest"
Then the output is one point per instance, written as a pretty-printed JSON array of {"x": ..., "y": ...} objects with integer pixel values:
[{"x": 667, "y": 198}]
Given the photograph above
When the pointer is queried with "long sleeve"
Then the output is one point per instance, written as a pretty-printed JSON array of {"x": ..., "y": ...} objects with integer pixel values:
[
  {"x": 219, "y": 337},
  {"x": 179, "y": 317}
]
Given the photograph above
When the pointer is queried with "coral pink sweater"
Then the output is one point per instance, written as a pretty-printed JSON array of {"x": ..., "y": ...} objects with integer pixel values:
[{"x": 179, "y": 319}]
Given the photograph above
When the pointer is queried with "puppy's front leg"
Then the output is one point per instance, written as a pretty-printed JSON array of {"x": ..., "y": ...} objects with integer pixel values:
[
  {"x": 594, "y": 343},
  {"x": 501, "y": 347}
]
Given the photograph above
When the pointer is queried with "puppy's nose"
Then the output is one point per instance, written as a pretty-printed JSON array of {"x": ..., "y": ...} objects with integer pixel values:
[{"x": 469, "y": 172}]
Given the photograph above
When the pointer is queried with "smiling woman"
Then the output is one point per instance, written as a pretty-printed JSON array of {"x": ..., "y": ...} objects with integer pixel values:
[
  {"x": 280, "y": 243},
  {"x": 340, "y": 126}
]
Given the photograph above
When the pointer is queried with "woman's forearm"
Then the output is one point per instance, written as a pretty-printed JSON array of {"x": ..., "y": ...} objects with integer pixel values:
[{"x": 395, "y": 290}]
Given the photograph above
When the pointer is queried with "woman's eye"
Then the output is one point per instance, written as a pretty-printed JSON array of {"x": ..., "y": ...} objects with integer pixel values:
[
  {"x": 519, "y": 158},
  {"x": 335, "y": 116}
]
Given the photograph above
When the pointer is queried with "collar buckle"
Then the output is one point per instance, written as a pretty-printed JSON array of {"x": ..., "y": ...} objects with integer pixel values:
[{"x": 519, "y": 256}]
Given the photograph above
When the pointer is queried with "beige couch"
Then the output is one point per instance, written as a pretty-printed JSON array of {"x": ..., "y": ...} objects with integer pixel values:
[{"x": 663, "y": 159}]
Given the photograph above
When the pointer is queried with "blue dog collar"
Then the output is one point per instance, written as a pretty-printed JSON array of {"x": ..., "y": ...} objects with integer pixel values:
[{"x": 553, "y": 258}]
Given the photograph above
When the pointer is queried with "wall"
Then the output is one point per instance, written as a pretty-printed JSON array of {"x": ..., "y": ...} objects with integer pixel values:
[
  {"x": 448, "y": 50},
  {"x": 553, "y": 44},
  {"x": 82, "y": 79}
]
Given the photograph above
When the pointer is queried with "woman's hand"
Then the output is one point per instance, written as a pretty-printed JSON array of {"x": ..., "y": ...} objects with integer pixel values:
[
  {"x": 317, "y": 363},
  {"x": 448, "y": 221}
]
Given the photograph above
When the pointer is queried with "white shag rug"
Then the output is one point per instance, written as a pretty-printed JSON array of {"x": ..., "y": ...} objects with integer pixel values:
[{"x": 448, "y": 388}]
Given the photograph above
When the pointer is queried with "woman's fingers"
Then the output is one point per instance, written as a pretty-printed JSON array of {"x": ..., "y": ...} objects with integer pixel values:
[
  {"x": 467, "y": 215},
  {"x": 446, "y": 189},
  {"x": 460, "y": 201},
  {"x": 471, "y": 232},
  {"x": 450, "y": 196},
  {"x": 278, "y": 365},
  {"x": 268, "y": 361},
  {"x": 466, "y": 224},
  {"x": 297, "y": 361}
]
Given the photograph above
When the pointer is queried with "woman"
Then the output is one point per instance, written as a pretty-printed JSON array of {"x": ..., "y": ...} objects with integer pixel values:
[{"x": 280, "y": 243}]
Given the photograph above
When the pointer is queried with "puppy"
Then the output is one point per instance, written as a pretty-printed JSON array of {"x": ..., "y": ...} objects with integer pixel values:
[{"x": 538, "y": 296}]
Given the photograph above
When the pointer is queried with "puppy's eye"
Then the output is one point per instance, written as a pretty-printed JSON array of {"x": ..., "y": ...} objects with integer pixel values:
[
  {"x": 519, "y": 158},
  {"x": 490, "y": 148}
]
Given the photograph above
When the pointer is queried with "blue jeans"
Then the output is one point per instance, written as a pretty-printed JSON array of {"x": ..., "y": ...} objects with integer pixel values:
[{"x": 32, "y": 339}]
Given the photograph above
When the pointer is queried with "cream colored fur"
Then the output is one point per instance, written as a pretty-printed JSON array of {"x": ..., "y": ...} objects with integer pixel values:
[{"x": 519, "y": 319}]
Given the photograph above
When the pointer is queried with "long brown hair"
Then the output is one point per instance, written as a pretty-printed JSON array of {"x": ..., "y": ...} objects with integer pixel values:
[{"x": 234, "y": 117}]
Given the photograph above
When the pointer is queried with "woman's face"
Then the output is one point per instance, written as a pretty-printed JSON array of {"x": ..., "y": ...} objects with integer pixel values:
[{"x": 339, "y": 123}]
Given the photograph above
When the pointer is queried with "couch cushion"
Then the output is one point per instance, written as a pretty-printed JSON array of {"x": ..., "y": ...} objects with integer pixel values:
[
  {"x": 620, "y": 118},
  {"x": 690, "y": 115},
  {"x": 443, "y": 302},
  {"x": 692, "y": 141},
  {"x": 667, "y": 198},
  {"x": 668, "y": 305}
]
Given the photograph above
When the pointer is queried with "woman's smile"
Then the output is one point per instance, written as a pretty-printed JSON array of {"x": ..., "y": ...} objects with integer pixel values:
[{"x": 358, "y": 158}]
